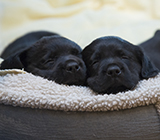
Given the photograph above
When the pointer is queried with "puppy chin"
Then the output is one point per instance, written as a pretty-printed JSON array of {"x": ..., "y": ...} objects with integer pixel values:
[
  {"x": 65, "y": 79},
  {"x": 110, "y": 86}
]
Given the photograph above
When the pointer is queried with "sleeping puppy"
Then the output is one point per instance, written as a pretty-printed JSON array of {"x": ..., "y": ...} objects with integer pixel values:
[
  {"x": 53, "y": 57},
  {"x": 151, "y": 47},
  {"x": 115, "y": 65}
]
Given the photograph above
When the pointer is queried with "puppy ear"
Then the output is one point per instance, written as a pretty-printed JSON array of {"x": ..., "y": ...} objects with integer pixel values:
[
  {"x": 15, "y": 61},
  {"x": 148, "y": 68},
  {"x": 157, "y": 33}
]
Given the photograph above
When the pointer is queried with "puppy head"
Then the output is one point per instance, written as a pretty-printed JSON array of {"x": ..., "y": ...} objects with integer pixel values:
[
  {"x": 55, "y": 58},
  {"x": 115, "y": 65}
]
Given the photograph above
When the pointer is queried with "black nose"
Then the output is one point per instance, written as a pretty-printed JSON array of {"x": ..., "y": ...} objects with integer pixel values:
[
  {"x": 113, "y": 71},
  {"x": 72, "y": 67}
]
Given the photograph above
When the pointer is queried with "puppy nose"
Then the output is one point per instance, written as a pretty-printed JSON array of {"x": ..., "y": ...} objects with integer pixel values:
[
  {"x": 113, "y": 71},
  {"x": 72, "y": 67}
]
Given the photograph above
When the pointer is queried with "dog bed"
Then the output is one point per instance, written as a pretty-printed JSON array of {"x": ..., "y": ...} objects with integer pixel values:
[
  {"x": 32, "y": 101},
  {"x": 34, "y": 108}
]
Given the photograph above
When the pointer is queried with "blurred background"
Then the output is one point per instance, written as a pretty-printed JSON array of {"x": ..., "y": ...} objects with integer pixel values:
[{"x": 80, "y": 20}]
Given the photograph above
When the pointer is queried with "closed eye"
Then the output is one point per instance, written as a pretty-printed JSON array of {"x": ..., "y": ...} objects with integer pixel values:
[
  {"x": 49, "y": 61},
  {"x": 122, "y": 54},
  {"x": 124, "y": 57},
  {"x": 94, "y": 62}
]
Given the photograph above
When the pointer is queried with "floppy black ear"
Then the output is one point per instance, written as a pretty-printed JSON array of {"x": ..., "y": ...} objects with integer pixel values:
[
  {"x": 15, "y": 61},
  {"x": 148, "y": 68}
]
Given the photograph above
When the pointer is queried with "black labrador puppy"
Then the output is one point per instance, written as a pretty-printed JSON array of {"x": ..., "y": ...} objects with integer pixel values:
[
  {"x": 47, "y": 55},
  {"x": 151, "y": 47},
  {"x": 115, "y": 65}
]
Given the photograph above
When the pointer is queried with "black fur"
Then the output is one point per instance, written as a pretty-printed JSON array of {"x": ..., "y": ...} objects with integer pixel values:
[
  {"x": 115, "y": 65},
  {"x": 53, "y": 57},
  {"x": 151, "y": 48}
]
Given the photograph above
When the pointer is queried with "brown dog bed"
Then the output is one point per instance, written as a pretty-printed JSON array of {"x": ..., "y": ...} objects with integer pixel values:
[{"x": 46, "y": 110}]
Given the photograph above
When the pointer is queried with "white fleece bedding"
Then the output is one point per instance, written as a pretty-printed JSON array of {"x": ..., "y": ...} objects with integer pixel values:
[{"x": 19, "y": 88}]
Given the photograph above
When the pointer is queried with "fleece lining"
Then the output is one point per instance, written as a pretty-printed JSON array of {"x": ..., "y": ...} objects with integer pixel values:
[{"x": 19, "y": 88}]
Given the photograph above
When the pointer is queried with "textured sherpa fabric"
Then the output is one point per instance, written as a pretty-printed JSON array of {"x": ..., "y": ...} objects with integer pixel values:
[{"x": 19, "y": 88}]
